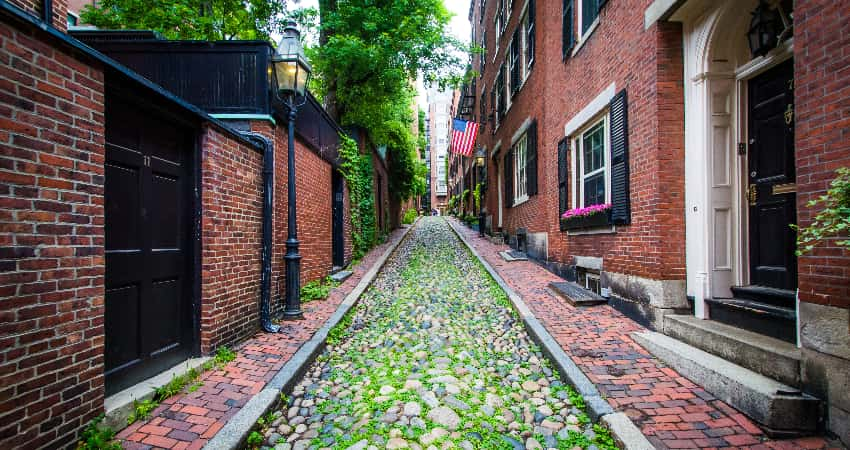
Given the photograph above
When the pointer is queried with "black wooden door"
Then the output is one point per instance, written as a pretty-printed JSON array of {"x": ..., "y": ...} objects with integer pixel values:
[
  {"x": 148, "y": 252},
  {"x": 338, "y": 228},
  {"x": 771, "y": 190}
]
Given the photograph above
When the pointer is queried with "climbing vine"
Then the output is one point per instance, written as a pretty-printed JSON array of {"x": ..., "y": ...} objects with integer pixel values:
[
  {"x": 833, "y": 218},
  {"x": 356, "y": 168}
]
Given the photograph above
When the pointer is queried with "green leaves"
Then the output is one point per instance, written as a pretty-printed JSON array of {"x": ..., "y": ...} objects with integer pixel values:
[
  {"x": 209, "y": 20},
  {"x": 832, "y": 220}
]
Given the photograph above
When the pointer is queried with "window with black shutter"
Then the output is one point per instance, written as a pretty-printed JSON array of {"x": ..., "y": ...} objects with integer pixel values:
[
  {"x": 508, "y": 175},
  {"x": 483, "y": 57},
  {"x": 493, "y": 104},
  {"x": 620, "y": 201},
  {"x": 567, "y": 33},
  {"x": 500, "y": 95},
  {"x": 514, "y": 63},
  {"x": 531, "y": 160},
  {"x": 563, "y": 180},
  {"x": 529, "y": 39}
]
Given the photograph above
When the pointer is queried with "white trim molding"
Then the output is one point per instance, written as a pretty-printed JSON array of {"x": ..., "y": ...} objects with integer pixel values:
[
  {"x": 521, "y": 130},
  {"x": 592, "y": 109}
]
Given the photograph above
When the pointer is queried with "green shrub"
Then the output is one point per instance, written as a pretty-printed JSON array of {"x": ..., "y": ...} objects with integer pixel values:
[
  {"x": 97, "y": 437},
  {"x": 317, "y": 289},
  {"x": 409, "y": 216}
]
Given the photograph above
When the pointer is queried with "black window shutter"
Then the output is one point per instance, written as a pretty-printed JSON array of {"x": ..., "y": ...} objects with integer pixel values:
[
  {"x": 531, "y": 160},
  {"x": 531, "y": 32},
  {"x": 568, "y": 34},
  {"x": 509, "y": 178},
  {"x": 563, "y": 182},
  {"x": 515, "y": 81},
  {"x": 620, "y": 207}
]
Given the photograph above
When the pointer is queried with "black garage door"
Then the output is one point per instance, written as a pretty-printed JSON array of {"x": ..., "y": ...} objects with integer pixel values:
[{"x": 148, "y": 246}]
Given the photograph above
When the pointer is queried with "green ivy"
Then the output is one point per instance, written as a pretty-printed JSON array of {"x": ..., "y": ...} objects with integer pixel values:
[
  {"x": 832, "y": 220},
  {"x": 356, "y": 168}
]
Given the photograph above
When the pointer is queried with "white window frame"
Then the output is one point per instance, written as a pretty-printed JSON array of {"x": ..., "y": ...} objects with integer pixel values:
[
  {"x": 577, "y": 174},
  {"x": 581, "y": 38},
  {"x": 520, "y": 151}
]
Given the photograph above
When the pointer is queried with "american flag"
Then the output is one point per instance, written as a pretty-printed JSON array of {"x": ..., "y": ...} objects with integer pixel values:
[{"x": 463, "y": 136}]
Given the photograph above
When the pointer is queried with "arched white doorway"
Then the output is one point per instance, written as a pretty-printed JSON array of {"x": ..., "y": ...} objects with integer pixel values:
[{"x": 718, "y": 70}]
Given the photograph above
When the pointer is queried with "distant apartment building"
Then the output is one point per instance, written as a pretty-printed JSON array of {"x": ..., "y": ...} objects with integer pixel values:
[{"x": 439, "y": 118}]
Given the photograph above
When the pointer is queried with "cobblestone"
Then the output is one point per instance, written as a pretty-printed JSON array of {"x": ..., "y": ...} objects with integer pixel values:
[{"x": 434, "y": 339}]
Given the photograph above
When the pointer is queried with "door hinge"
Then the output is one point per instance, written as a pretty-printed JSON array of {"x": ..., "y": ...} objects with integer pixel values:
[
  {"x": 742, "y": 148},
  {"x": 147, "y": 161}
]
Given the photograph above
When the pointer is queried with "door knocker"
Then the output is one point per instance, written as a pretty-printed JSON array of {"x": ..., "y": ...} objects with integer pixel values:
[{"x": 789, "y": 114}]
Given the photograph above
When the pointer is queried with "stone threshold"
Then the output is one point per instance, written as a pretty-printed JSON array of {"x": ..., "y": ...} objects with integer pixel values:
[
  {"x": 233, "y": 435},
  {"x": 624, "y": 431},
  {"x": 120, "y": 405}
]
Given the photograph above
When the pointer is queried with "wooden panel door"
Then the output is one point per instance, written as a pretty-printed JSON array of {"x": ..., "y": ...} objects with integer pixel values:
[
  {"x": 148, "y": 253},
  {"x": 771, "y": 191},
  {"x": 338, "y": 227}
]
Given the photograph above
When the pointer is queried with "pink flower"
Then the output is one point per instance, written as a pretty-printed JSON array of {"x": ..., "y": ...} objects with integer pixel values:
[{"x": 586, "y": 211}]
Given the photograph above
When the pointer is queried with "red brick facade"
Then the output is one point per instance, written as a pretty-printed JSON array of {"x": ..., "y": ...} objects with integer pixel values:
[
  {"x": 231, "y": 239},
  {"x": 822, "y": 118},
  {"x": 52, "y": 234},
  {"x": 648, "y": 65}
]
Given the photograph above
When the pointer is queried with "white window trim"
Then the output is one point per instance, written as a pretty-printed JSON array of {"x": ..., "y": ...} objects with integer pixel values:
[
  {"x": 577, "y": 176},
  {"x": 523, "y": 197},
  {"x": 596, "y": 106}
]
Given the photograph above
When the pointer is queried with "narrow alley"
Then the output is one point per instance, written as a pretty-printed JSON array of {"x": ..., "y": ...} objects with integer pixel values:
[{"x": 432, "y": 354}]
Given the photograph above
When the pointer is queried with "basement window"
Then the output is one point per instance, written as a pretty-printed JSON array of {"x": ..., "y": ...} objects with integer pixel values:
[{"x": 589, "y": 279}]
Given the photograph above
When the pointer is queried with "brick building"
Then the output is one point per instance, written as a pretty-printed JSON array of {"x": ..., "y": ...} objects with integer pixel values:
[
  {"x": 586, "y": 102},
  {"x": 131, "y": 212}
]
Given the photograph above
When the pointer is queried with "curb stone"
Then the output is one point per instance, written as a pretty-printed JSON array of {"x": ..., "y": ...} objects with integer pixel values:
[
  {"x": 622, "y": 428},
  {"x": 237, "y": 429}
]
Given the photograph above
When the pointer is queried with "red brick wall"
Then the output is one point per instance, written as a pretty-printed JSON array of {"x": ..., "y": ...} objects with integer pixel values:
[
  {"x": 51, "y": 242},
  {"x": 231, "y": 227},
  {"x": 648, "y": 64},
  {"x": 822, "y": 118}
]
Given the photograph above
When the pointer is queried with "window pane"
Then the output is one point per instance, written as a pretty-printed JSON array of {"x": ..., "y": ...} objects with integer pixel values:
[
  {"x": 594, "y": 189},
  {"x": 589, "y": 10},
  {"x": 593, "y": 148}
]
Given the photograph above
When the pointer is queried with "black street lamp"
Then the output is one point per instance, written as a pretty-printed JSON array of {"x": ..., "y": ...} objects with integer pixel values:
[
  {"x": 480, "y": 162},
  {"x": 291, "y": 72},
  {"x": 765, "y": 28}
]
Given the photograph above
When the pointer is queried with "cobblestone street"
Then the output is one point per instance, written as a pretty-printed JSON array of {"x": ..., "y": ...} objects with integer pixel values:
[{"x": 432, "y": 354}]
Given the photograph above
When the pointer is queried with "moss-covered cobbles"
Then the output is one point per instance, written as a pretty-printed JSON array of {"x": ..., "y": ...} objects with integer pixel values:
[{"x": 432, "y": 357}]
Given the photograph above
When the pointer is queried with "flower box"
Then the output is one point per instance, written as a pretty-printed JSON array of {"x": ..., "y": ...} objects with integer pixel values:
[{"x": 594, "y": 219}]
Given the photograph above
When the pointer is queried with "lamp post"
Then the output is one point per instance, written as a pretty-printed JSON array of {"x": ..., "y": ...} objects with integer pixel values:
[
  {"x": 291, "y": 73},
  {"x": 480, "y": 161}
]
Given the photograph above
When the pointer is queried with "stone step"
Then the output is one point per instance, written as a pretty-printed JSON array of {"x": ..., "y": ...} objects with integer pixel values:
[
  {"x": 781, "y": 409},
  {"x": 768, "y": 356},
  {"x": 763, "y": 318},
  {"x": 765, "y": 294}
]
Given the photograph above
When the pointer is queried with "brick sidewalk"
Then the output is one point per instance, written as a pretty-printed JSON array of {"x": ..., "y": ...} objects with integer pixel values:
[
  {"x": 188, "y": 421},
  {"x": 670, "y": 410}
]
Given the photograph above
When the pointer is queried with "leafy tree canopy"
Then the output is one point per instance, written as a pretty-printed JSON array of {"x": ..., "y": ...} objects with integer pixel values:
[
  {"x": 209, "y": 20},
  {"x": 370, "y": 54}
]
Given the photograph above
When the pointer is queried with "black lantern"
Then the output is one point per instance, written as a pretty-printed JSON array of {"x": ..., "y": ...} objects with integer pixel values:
[
  {"x": 291, "y": 73},
  {"x": 765, "y": 27},
  {"x": 291, "y": 69}
]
